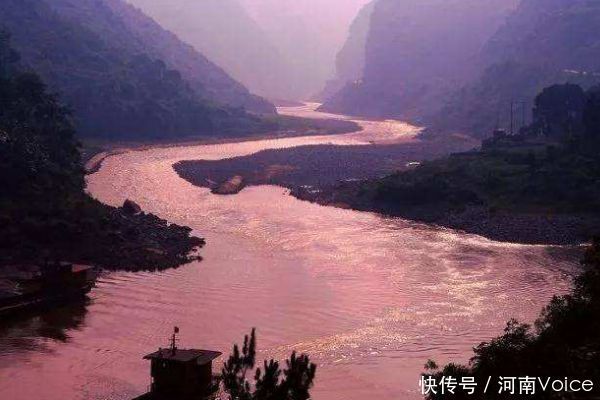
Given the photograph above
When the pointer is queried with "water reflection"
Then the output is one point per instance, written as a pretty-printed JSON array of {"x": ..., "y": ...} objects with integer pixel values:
[{"x": 29, "y": 332}]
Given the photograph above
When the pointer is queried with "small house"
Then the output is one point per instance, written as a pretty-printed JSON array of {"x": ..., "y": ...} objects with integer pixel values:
[{"x": 181, "y": 373}]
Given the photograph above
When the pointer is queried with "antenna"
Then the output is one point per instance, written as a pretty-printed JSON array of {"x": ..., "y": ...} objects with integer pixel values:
[
  {"x": 497, "y": 120},
  {"x": 523, "y": 114},
  {"x": 174, "y": 340},
  {"x": 512, "y": 117}
]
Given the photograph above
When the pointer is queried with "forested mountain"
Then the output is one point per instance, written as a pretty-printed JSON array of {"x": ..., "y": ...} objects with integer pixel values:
[
  {"x": 543, "y": 42},
  {"x": 418, "y": 50},
  {"x": 115, "y": 69},
  {"x": 457, "y": 66},
  {"x": 350, "y": 60},
  {"x": 206, "y": 76},
  {"x": 44, "y": 212},
  {"x": 281, "y": 49},
  {"x": 224, "y": 32},
  {"x": 539, "y": 185}
]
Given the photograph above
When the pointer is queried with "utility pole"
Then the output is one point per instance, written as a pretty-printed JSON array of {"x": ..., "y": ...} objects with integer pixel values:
[{"x": 512, "y": 117}]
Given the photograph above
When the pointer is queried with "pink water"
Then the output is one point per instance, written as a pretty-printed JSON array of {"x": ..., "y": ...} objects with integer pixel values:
[{"x": 369, "y": 298}]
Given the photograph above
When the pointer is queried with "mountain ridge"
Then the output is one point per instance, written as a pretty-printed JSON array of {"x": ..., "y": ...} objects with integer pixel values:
[{"x": 114, "y": 83}]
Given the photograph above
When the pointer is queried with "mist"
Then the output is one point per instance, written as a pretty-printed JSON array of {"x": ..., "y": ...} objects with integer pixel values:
[
  {"x": 280, "y": 49},
  {"x": 307, "y": 33}
]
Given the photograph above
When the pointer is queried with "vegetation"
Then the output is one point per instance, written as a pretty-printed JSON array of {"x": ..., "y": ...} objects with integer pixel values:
[
  {"x": 540, "y": 44},
  {"x": 564, "y": 342},
  {"x": 270, "y": 383},
  {"x": 480, "y": 58},
  {"x": 538, "y": 186},
  {"x": 44, "y": 212},
  {"x": 121, "y": 81},
  {"x": 552, "y": 166},
  {"x": 410, "y": 68}
]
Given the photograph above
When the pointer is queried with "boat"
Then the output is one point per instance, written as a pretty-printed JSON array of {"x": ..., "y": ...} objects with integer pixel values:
[{"x": 26, "y": 287}]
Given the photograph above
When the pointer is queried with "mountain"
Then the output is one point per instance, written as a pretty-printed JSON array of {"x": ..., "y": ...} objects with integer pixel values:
[
  {"x": 542, "y": 43},
  {"x": 308, "y": 34},
  {"x": 193, "y": 65},
  {"x": 226, "y": 34},
  {"x": 121, "y": 82},
  {"x": 280, "y": 49},
  {"x": 45, "y": 213},
  {"x": 416, "y": 51},
  {"x": 350, "y": 60}
]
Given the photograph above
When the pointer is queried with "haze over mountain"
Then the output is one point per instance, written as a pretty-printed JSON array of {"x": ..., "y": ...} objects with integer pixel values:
[
  {"x": 281, "y": 49},
  {"x": 416, "y": 50},
  {"x": 456, "y": 66},
  {"x": 227, "y": 35},
  {"x": 120, "y": 71},
  {"x": 543, "y": 42},
  {"x": 308, "y": 34},
  {"x": 350, "y": 60}
]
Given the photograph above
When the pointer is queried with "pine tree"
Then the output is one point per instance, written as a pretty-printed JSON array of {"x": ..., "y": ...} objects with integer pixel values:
[{"x": 270, "y": 382}]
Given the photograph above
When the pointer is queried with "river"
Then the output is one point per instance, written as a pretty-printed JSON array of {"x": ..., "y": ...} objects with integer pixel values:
[{"x": 370, "y": 298}]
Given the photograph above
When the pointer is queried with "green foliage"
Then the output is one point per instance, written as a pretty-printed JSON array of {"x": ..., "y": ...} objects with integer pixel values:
[
  {"x": 117, "y": 86},
  {"x": 542, "y": 43},
  {"x": 38, "y": 152},
  {"x": 559, "y": 110},
  {"x": 270, "y": 382},
  {"x": 591, "y": 114},
  {"x": 565, "y": 341},
  {"x": 552, "y": 173},
  {"x": 44, "y": 212}
]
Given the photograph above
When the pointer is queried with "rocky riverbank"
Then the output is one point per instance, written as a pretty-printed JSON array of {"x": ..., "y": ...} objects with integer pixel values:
[
  {"x": 503, "y": 226},
  {"x": 88, "y": 232},
  {"x": 343, "y": 176}
]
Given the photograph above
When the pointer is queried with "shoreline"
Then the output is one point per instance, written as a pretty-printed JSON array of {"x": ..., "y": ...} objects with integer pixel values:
[
  {"x": 501, "y": 226},
  {"x": 94, "y": 160}
]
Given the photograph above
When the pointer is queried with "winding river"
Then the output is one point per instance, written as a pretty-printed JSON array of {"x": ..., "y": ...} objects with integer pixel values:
[{"x": 369, "y": 298}]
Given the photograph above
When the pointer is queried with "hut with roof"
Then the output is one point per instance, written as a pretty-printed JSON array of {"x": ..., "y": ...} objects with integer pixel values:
[{"x": 180, "y": 373}]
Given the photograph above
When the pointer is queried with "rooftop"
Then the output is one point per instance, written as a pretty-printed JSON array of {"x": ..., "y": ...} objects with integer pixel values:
[{"x": 184, "y": 355}]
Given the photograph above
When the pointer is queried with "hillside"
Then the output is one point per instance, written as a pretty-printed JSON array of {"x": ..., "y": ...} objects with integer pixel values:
[
  {"x": 118, "y": 83},
  {"x": 204, "y": 75},
  {"x": 538, "y": 186},
  {"x": 541, "y": 43},
  {"x": 416, "y": 51},
  {"x": 224, "y": 32},
  {"x": 350, "y": 60},
  {"x": 44, "y": 212},
  {"x": 308, "y": 34}
]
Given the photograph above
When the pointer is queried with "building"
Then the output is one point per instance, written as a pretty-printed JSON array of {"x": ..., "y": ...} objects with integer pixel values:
[{"x": 181, "y": 374}]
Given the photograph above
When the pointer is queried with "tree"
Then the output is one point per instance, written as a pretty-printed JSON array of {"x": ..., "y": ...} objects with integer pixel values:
[
  {"x": 558, "y": 110},
  {"x": 8, "y": 56},
  {"x": 39, "y": 155},
  {"x": 591, "y": 114},
  {"x": 270, "y": 382},
  {"x": 565, "y": 342}
]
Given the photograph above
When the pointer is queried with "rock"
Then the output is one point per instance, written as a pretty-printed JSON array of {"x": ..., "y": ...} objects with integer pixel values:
[
  {"x": 231, "y": 186},
  {"x": 131, "y": 208}
]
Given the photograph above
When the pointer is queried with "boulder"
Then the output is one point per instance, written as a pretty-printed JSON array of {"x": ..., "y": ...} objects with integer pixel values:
[
  {"x": 131, "y": 208},
  {"x": 231, "y": 186}
]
